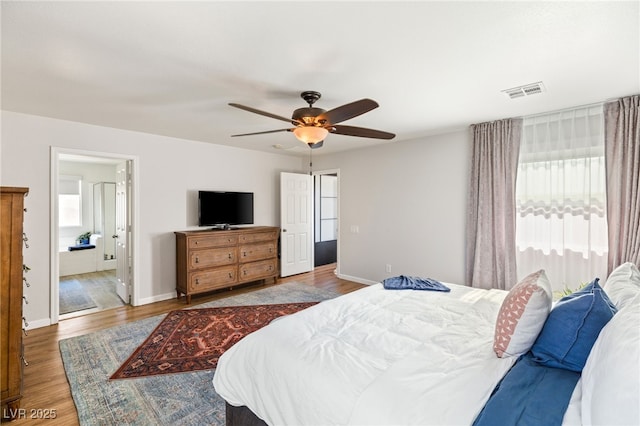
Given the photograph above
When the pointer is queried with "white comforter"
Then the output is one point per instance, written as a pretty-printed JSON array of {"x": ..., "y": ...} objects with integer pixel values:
[{"x": 372, "y": 357}]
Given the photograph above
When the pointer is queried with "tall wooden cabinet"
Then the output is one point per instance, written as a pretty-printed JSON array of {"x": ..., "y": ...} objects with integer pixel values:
[
  {"x": 215, "y": 259},
  {"x": 11, "y": 242}
]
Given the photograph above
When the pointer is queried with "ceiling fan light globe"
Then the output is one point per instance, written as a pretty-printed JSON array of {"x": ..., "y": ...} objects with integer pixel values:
[{"x": 310, "y": 134}]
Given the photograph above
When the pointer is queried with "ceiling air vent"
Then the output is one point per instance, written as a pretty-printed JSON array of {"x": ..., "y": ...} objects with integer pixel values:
[{"x": 526, "y": 90}]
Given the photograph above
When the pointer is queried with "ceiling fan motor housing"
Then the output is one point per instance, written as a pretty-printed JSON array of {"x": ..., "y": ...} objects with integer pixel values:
[{"x": 307, "y": 114}]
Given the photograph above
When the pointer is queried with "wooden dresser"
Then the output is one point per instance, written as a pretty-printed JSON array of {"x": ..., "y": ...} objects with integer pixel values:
[
  {"x": 211, "y": 260},
  {"x": 11, "y": 243}
]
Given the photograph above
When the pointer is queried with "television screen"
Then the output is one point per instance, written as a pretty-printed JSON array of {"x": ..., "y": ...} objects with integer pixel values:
[{"x": 225, "y": 208}]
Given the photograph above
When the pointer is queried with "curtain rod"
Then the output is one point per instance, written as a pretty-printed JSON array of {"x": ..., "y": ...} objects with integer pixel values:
[
  {"x": 560, "y": 111},
  {"x": 556, "y": 111}
]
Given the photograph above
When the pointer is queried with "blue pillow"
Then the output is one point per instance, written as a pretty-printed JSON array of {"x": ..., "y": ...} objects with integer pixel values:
[{"x": 572, "y": 328}]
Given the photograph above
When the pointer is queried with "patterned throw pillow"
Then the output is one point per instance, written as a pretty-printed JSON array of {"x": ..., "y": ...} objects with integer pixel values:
[{"x": 522, "y": 315}]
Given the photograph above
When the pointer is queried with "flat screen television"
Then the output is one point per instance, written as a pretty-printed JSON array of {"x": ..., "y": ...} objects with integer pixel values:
[{"x": 222, "y": 208}]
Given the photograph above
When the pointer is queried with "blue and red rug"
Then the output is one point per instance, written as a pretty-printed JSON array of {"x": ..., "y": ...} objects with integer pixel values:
[{"x": 186, "y": 399}]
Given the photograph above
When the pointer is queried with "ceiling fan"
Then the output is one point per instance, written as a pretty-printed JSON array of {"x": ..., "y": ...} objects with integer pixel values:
[{"x": 312, "y": 124}]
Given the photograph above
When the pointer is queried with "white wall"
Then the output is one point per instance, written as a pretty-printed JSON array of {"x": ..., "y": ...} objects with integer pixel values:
[
  {"x": 408, "y": 202},
  {"x": 170, "y": 173}
]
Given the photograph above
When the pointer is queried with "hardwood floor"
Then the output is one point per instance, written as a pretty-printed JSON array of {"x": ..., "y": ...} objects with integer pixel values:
[{"x": 45, "y": 382}]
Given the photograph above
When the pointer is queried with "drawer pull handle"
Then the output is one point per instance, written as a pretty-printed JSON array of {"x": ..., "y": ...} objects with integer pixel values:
[
  {"x": 244, "y": 254},
  {"x": 230, "y": 275},
  {"x": 197, "y": 281},
  {"x": 197, "y": 260},
  {"x": 245, "y": 272},
  {"x": 230, "y": 257}
]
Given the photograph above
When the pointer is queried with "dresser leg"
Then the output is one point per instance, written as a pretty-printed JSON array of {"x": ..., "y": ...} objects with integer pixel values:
[{"x": 188, "y": 296}]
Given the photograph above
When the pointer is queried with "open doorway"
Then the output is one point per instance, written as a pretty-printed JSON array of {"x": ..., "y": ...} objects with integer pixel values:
[
  {"x": 89, "y": 265},
  {"x": 326, "y": 224}
]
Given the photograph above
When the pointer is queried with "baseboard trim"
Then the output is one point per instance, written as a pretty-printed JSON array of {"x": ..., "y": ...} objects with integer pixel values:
[
  {"x": 357, "y": 279},
  {"x": 44, "y": 322},
  {"x": 158, "y": 298}
]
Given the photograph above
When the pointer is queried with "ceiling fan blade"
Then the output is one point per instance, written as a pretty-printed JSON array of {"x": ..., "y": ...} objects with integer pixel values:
[
  {"x": 262, "y": 133},
  {"x": 347, "y": 111},
  {"x": 266, "y": 114},
  {"x": 361, "y": 132}
]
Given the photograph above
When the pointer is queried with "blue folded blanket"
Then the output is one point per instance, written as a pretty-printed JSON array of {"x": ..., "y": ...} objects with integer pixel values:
[
  {"x": 403, "y": 282},
  {"x": 530, "y": 394}
]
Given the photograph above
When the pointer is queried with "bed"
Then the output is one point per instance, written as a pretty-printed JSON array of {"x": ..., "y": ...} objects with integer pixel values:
[{"x": 391, "y": 357}]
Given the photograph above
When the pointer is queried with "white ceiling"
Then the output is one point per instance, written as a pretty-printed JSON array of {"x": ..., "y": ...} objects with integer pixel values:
[{"x": 171, "y": 68}]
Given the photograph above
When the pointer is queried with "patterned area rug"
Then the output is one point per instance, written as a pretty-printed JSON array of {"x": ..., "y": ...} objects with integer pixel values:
[
  {"x": 194, "y": 339},
  {"x": 167, "y": 399},
  {"x": 73, "y": 297}
]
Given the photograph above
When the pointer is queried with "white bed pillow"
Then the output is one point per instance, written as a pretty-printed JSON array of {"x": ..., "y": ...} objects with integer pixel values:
[
  {"x": 623, "y": 284},
  {"x": 522, "y": 315},
  {"x": 610, "y": 378}
]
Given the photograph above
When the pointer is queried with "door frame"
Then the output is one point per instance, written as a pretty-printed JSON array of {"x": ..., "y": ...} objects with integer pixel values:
[
  {"x": 54, "y": 267},
  {"x": 337, "y": 173}
]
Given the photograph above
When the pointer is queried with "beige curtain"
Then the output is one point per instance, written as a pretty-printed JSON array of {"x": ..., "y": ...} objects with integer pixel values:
[
  {"x": 622, "y": 156},
  {"x": 490, "y": 255}
]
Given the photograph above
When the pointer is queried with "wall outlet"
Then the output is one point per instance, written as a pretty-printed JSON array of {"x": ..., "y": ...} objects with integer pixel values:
[{"x": 387, "y": 268}]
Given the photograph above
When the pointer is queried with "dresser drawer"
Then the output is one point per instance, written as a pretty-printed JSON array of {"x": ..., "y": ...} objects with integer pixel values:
[
  {"x": 257, "y": 270},
  {"x": 252, "y": 252},
  {"x": 206, "y": 241},
  {"x": 212, "y": 278},
  {"x": 212, "y": 257},
  {"x": 254, "y": 237}
]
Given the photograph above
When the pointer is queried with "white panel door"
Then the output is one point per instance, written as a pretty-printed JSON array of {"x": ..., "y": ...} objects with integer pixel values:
[
  {"x": 296, "y": 223},
  {"x": 123, "y": 230}
]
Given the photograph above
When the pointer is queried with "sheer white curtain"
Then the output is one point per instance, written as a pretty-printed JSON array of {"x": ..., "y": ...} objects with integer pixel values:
[{"x": 561, "y": 221}]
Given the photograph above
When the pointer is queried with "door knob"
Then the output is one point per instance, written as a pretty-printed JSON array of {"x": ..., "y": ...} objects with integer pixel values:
[{"x": 114, "y": 236}]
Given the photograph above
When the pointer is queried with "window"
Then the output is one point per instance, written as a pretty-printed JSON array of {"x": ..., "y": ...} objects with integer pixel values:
[
  {"x": 561, "y": 198},
  {"x": 70, "y": 201}
]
